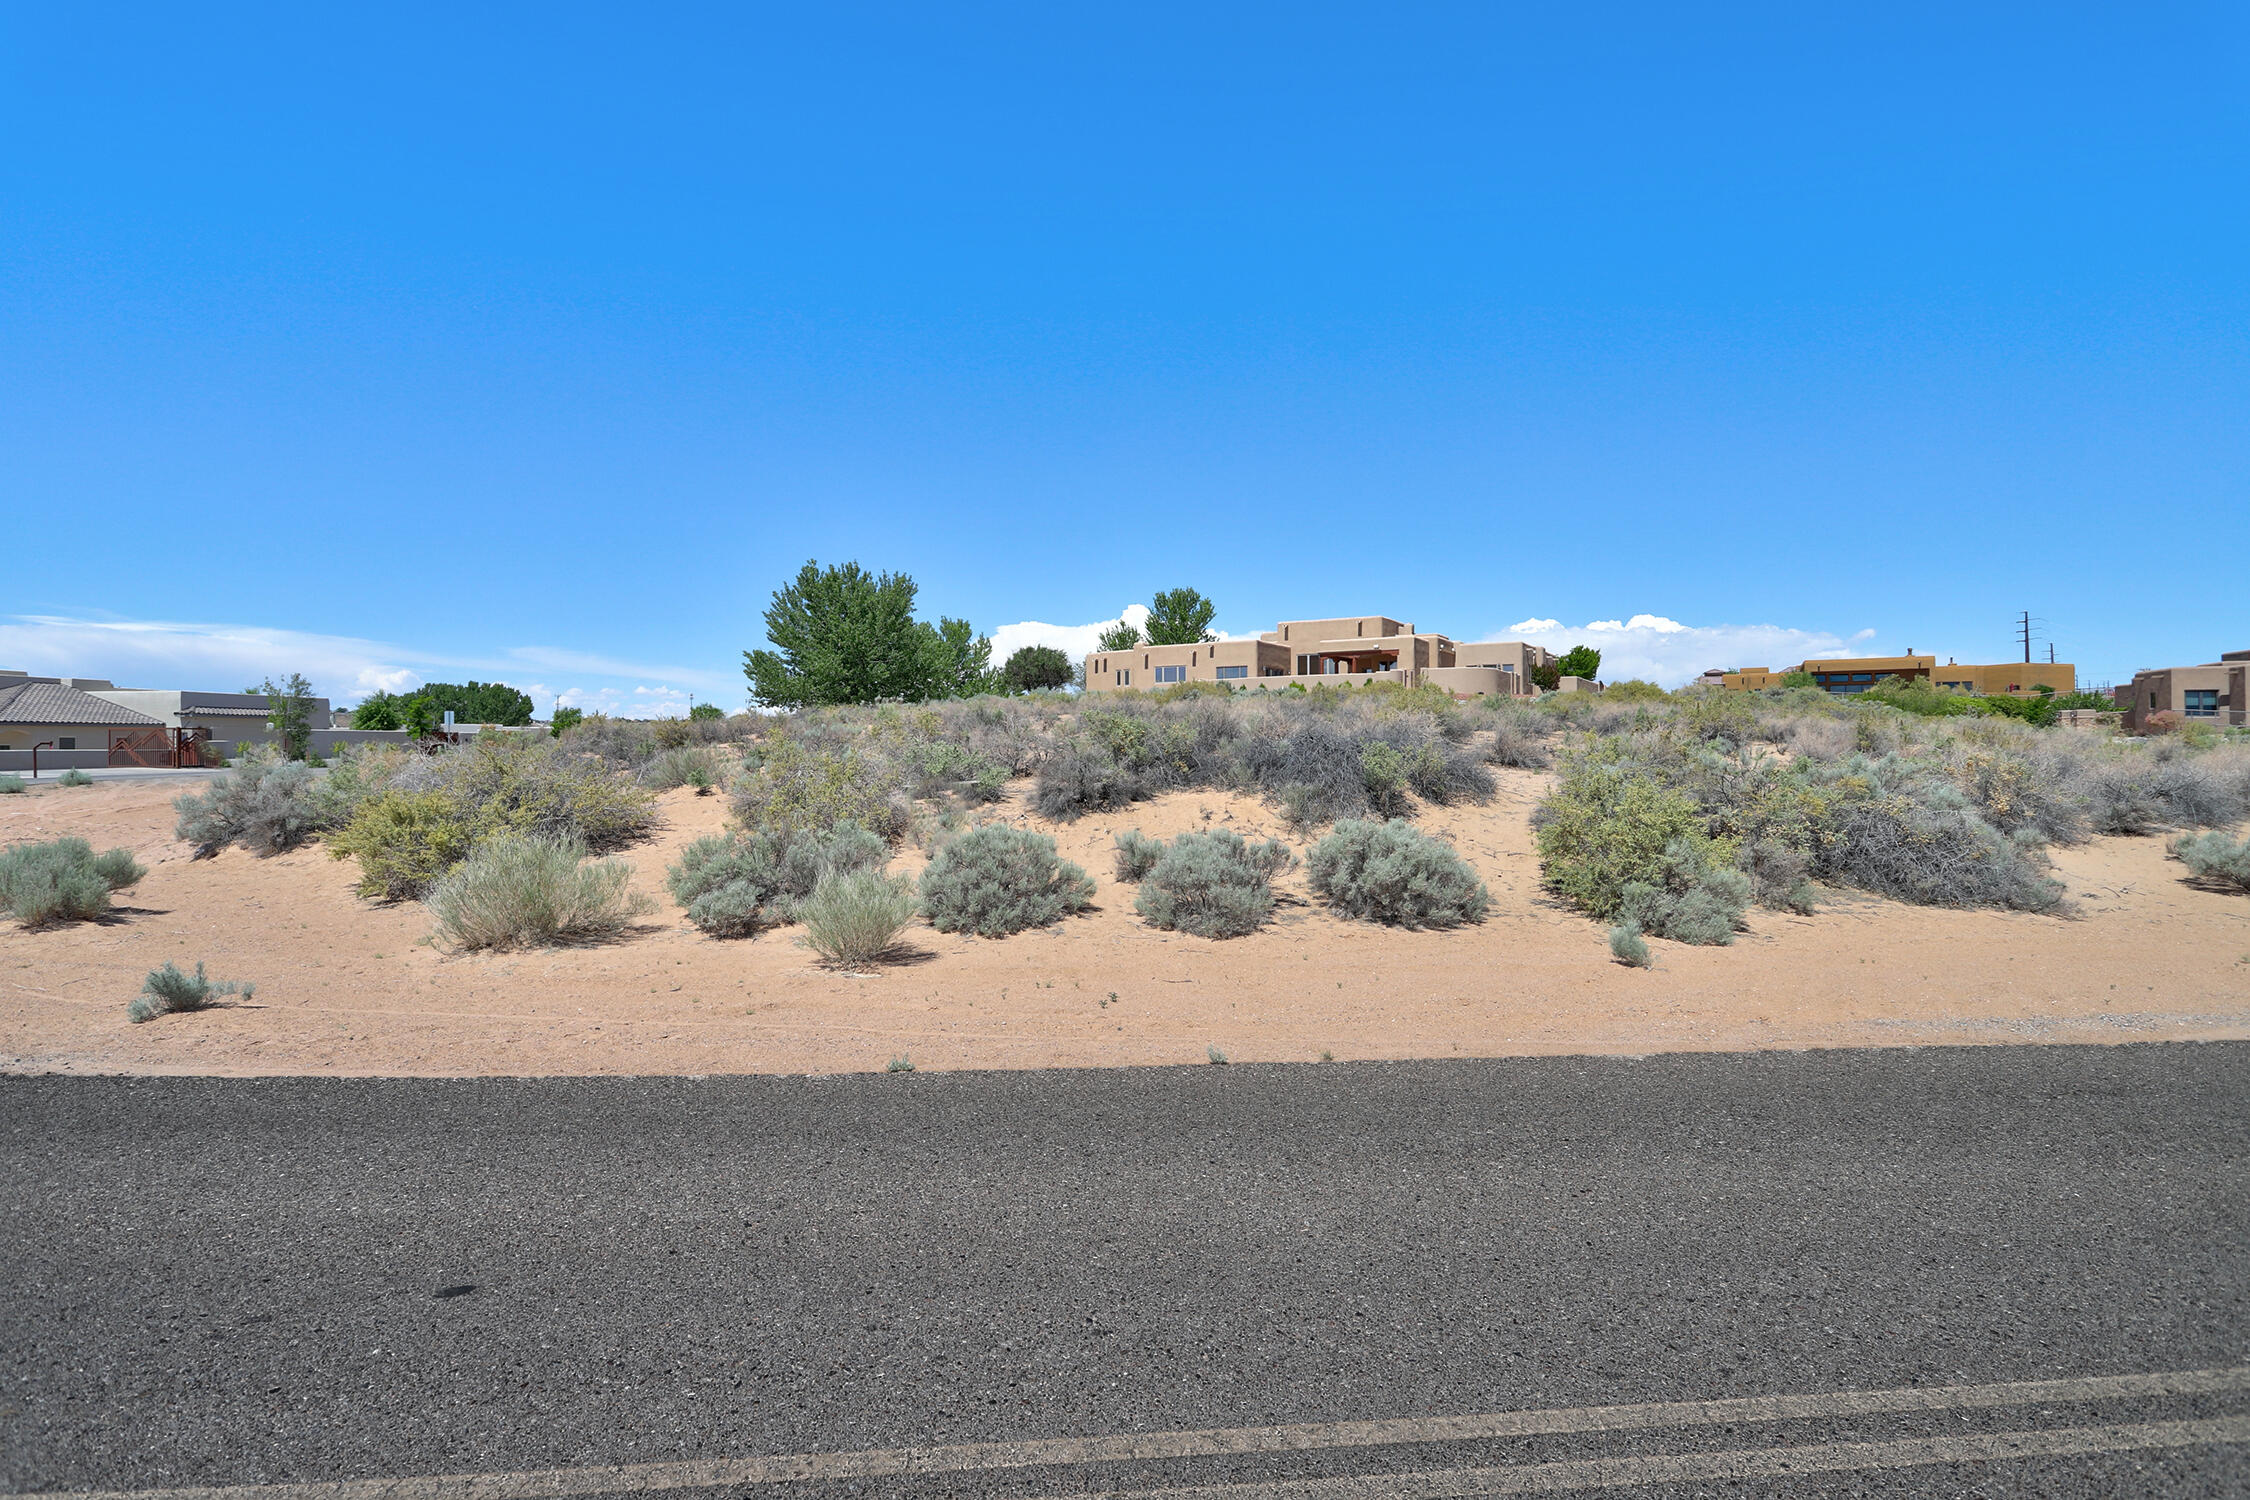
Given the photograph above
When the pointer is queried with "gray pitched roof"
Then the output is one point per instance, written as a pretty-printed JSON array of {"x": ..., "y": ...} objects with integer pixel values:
[{"x": 52, "y": 703}]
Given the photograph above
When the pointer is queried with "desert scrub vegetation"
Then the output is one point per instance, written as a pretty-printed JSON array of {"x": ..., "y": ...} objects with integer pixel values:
[
  {"x": 996, "y": 880},
  {"x": 1671, "y": 817},
  {"x": 10, "y": 785},
  {"x": 1136, "y": 854},
  {"x": 855, "y": 918},
  {"x": 683, "y": 765},
  {"x": 413, "y": 818},
  {"x": 74, "y": 777},
  {"x": 1214, "y": 885},
  {"x": 63, "y": 881},
  {"x": 170, "y": 989},
  {"x": 1395, "y": 874},
  {"x": 522, "y": 890},
  {"x": 2216, "y": 858},
  {"x": 264, "y": 804},
  {"x": 733, "y": 884}
]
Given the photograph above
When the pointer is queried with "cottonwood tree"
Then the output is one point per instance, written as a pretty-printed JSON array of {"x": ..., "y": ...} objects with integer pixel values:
[
  {"x": 289, "y": 713},
  {"x": 845, "y": 635},
  {"x": 1119, "y": 637},
  {"x": 1179, "y": 617}
]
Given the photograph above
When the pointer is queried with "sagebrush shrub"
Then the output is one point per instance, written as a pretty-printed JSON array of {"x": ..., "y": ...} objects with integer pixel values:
[
  {"x": 263, "y": 804},
  {"x": 1628, "y": 947},
  {"x": 996, "y": 880},
  {"x": 1606, "y": 826},
  {"x": 1137, "y": 854},
  {"x": 683, "y": 765},
  {"x": 855, "y": 918},
  {"x": 2216, "y": 858},
  {"x": 802, "y": 784},
  {"x": 74, "y": 777},
  {"x": 529, "y": 890},
  {"x": 733, "y": 884},
  {"x": 1213, "y": 884},
  {"x": 9, "y": 785},
  {"x": 170, "y": 989},
  {"x": 62, "y": 881},
  {"x": 1690, "y": 900},
  {"x": 1394, "y": 874}
]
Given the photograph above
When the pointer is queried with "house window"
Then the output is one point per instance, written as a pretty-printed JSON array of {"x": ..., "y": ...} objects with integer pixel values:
[
  {"x": 1304, "y": 666},
  {"x": 1226, "y": 672},
  {"x": 2202, "y": 703},
  {"x": 1171, "y": 674},
  {"x": 1863, "y": 677},
  {"x": 1125, "y": 677},
  {"x": 1507, "y": 666},
  {"x": 67, "y": 742}
]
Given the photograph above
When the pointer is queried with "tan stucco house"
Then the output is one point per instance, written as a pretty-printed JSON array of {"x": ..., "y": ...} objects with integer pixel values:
[
  {"x": 1346, "y": 649},
  {"x": 2216, "y": 692}
]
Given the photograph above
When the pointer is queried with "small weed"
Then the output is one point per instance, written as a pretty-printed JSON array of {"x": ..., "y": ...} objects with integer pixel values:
[
  {"x": 900, "y": 1065},
  {"x": 1326, "y": 1055},
  {"x": 75, "y": 777},
  {"x": 170, "y": 989},
  {"x": 1215, "y": 1055},
  {"x": 1629, "y": 947}
]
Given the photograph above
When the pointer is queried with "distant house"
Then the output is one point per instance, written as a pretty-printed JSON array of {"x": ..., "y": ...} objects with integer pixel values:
[
  {"x": 2217, "y": 692},
  {"x": 1842, "y": 675},
  {"x": 1348, "y": 649},
  {"x": 70, "y": 725}
]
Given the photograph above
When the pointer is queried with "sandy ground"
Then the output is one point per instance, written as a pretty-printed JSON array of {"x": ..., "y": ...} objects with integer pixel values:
[{"x": 348, "y": 987}]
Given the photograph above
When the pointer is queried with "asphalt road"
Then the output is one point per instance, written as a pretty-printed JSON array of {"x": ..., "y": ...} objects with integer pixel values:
[{"x": 227, "y": 1282}]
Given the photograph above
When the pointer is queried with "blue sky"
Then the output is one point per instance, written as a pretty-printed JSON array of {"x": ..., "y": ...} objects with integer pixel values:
[{"x": 542, "y": 343}]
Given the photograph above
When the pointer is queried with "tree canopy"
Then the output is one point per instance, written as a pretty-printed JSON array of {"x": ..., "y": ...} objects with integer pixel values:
[
  {"x": 845, "y": 635},
  {"x": 1580, "y": 661},
  {"x": 289, "y": 713},
  {"x": 472, "y": 702},
  {"x": 1179, "y": 617},
  {"x": 1119, "y": 637},
  {"x": 1034, "y": 669}
]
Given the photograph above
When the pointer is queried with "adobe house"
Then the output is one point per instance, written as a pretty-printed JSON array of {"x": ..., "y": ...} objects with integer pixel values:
[
  {"x": 68, "y": 724},
  {"x": 1354, "y": 649},
  {"x": 2216, "y": 692},
  {"x": 2008, "y": 679}
]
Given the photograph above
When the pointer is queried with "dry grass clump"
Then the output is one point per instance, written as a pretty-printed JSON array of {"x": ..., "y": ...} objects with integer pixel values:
[
  {"x": 534, "y": 890},
  {"x": 1394, "y": 874},
  {"x": 855, "y": 918},
  {"x": 63, "y": 881},
  {"x": 684, "y": 765},
  {"x": 1137, "y": 854},
  {"x": 996, "y": 880},
  {"x": 1213, "y": 885}
]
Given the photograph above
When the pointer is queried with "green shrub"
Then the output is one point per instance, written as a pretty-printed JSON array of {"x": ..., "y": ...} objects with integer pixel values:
[
  {"x": 1628, "y": 947},
  {"x": 513, "y": 783},
  {"x": 263, "y": 804},
  {"x": 1213, "y": 884},
  {"x": 1137, "y": 854},
  {"x": 404, "y": 842},
  {"x": 1691, "y": 901},
  {"x": 802, "y": 786},
  {"x": 1634, "y": 690},
  {"x": 74, "y": 777},
  {"x": 169, "y": 989},
  {"x": 1393, "y": 874},
  {"x": 562, "y": 720},
  {"x": 62, "y": 881},
  {"x": 9, "y": 785},
  {"x": 1606, "y": 826},
  {"x": 527, "y": 890},
  {"x": 996, "y": 880},
  {"x": 701, "y": 711},
  {"x": 734, "y": 884},
  {"x": 2216, "y": 858},
  {"x": 1035, "y": 669},
  {"x": 854, "y": 918}
]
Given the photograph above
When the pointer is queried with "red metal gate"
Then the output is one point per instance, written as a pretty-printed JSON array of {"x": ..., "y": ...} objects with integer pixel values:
[{"x": 157, "y": 747}]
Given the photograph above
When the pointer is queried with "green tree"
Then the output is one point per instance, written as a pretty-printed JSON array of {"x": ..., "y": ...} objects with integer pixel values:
[
  {"x": 706, "y": 711},
  {"x": 1548, "y": 677},
  {"x": 842, "y": 635},
  {"x": 1036, "y": 669},
  {"x": 960, "y": 661},
  {"x": 289, "y": 714},
  {"x": 564, "y": 718},
  {"x": 418, "y": 716},
  {"x": 377, "y": 711},
  {"x": 1119, "y": 637},
  {"x": 1179, "y": 617},
  {"x": 1580, "y": 661}
]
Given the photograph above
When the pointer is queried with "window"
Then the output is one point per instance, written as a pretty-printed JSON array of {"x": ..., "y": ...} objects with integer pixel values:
[
  {"x": 1863, "y": 677},
  {"x": 1226, "y": 672},
  {"x": 1171, "y": 674},
  {"x": 1304, "y": 666},
  {"x": 67, "y": 742},
  {"x": 1125, "y": 677},
  {"x": 1507, "y": 666},
  {"x": 2202, "y": 703}
]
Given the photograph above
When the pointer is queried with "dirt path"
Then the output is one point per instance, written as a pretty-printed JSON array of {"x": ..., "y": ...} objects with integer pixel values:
[{"x": 349, "y": 987}]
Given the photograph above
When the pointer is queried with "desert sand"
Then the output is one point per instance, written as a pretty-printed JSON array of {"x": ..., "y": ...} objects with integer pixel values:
[{"x": 345, "y": 986}]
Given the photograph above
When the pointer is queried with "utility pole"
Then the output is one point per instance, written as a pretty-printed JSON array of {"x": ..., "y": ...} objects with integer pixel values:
[{"x": 2023, "y": 628}]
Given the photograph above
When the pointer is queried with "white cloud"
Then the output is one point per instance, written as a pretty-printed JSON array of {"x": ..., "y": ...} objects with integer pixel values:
[
  {"x": 227, "y": 658},
  {"x": 1073, "y": 641},
  {"x": 1669, "y": 653}
]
